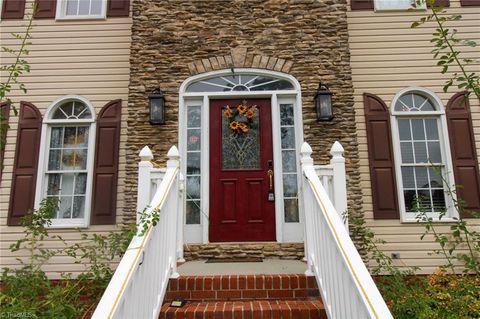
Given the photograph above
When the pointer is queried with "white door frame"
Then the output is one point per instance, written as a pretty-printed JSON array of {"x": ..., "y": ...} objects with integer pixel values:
[{"x": 285, "y": 232}]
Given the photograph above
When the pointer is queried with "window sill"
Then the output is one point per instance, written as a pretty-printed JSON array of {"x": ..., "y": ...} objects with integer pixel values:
[
  {"x": 440, "y": 221},
  {"x": 56, "y": 224},
  {"x": 76, "y": 18}
]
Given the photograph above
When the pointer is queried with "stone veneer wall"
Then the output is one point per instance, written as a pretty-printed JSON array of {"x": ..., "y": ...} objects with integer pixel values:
[
  {"x": 173, "y": 39},
  {"x": 292, "y": 251}
]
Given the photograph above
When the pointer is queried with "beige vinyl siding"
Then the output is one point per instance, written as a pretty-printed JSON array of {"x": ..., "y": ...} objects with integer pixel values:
[
  {"x": 88, "y": 58},
  {"x": 387, "y": 56}
]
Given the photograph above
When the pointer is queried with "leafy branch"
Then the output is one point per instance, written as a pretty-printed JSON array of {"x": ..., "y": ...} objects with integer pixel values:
[{"x": 447, "y": 48}]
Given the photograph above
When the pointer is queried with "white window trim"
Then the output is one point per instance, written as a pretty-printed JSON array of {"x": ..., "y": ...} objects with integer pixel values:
[
  {"x": 62, "y": 7},
  {"x": 41, "y": 186},
  {"x": 451, "y": 212},
  {"x": 378, "y": 6},
  {"x": 285, "y": 232},
  {"x": 1, "y": 9}
]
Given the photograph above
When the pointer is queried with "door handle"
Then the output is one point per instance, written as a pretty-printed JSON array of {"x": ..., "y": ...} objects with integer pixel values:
[{"x": 270, "y": 179}]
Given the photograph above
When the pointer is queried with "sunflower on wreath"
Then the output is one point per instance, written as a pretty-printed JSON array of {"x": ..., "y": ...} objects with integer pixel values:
[{"x": 240, "y": 118}]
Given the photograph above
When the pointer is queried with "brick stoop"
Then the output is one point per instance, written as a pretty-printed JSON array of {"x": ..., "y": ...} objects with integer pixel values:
[{"x": 244, "y": 296}]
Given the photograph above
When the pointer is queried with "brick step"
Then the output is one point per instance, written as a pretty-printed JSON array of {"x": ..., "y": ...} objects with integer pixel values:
[
  {"x": 241, "y": 287},
  {"x": 273, "y": 309}
]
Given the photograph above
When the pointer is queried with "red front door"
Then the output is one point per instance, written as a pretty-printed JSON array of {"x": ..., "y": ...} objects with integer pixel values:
[{"x": 240, "y": 157}]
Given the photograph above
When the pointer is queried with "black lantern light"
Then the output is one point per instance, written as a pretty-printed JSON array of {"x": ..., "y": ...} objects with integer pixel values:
[
  {"x": 157, "y": 107},
  {"x": 323, "y": 103}
]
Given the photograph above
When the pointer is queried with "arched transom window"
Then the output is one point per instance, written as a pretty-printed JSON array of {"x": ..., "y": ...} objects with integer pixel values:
[
  {"x": 68, "y": 147},
  {"x": 421, "y": 154},
  {"x": 240, "y": 82}
]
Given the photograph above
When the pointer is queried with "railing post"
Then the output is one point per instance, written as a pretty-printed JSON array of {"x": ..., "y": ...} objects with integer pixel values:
[
  {"x": 306, "y": 163},
  {"x": 180, "y": 221},
  {"x": 144, "y": 180},
  {"x": 173, "y": 162},
  {"x": 339, "y": 181}
]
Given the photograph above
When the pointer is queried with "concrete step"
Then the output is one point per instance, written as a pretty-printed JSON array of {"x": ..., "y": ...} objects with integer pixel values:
[
  {"x": 242, "y": 287},
  {"x": 253, "y": 309}
]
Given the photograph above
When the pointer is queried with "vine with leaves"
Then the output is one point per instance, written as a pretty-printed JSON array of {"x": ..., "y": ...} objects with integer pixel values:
[
  {"x": 12, "y": 73},
  {"x": 447, "y": 48}
]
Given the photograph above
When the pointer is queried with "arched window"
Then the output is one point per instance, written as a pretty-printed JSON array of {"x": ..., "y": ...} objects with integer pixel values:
[
  {"x": 422, "y": 154},
  {"x": 67, "y": 171},
  {"x": 240, "y": 82}
]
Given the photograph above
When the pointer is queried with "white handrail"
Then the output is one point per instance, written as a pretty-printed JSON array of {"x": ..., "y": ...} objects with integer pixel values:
[
  {"x": 138, "y": 286},
  {"x": 347, "y": 289}
]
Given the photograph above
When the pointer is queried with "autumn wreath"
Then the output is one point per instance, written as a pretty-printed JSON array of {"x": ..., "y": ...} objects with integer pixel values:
[{"x": 240, "y": 118}]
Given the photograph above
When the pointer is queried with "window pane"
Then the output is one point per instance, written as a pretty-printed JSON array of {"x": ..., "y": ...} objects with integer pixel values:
[
  {"x": 82, "y": 136},
  {"x": 193, "y": 212},
  {"x": 96, "y": 8},
  {"x": 193, "y": 116},
  {"x": 53, "y": 184},
  {"x": 78, "y": 207},
  {"x": 286, "y": 114},
  {"x": 409, "y": 197},
  {"x": 404, "y": 130},
  {"x": 424, "y": 201},
  {"x": 193, "y": 163},
  {"x": 291, "y": 210},
  {"x": 69, "y": 136},
  {"x": 417, "y": 129},
  {"x": 84, "y": 8},
  {"x": 80, "y": 110},
  {"x": 193, "y": 139},
  {"x": 407, "y": 152},
  {"x": 288, "y": 137},
  {"x": 408, "y": 178},
  {"x": 289, "y": 161},
  {"x": 436, "y": 180},
  {"x": 421, "y": 177},
  {"x": 290, "y": 187},
  {"x": 432, "y": 129},
  {"x": 65, "y": 207},
  {"x": 420, "y": 152},
  {"x": 434, "y": 154},
  {"x": 67, "y": 184},
  {"x": 193, "y": 187},
  {"x": 438, "y": 198},
  {"x": 72, "y": 6},
  {"x": 56, "y": 137},
  {"x": 80, "y": 183},
  {"x": 54, "y": 160}
]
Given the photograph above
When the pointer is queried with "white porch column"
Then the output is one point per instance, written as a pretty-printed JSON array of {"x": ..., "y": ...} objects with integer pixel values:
[
  {"x": 144, "y": 180},
  {"x": 339, "y": 181},
  {"x": 306, "y": 163}
]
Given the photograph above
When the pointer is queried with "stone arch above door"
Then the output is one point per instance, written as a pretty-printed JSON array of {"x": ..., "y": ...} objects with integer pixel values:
[{"x": 239, "y": 58}]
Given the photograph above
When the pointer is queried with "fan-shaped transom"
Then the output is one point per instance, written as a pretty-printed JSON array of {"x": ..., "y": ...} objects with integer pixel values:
[
  {"x": 240, "y": 82},
  {"x": 414, "y": 102},
  {"x": 72, "y": 110}
]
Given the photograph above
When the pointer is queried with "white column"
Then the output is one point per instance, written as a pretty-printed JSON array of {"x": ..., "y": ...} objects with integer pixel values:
[
  {"x": 339, "y": 181},
  {"x": 144, "y": 180},
  {"x": 173, "y": 163},
  {"x": 306, "y": 163}
]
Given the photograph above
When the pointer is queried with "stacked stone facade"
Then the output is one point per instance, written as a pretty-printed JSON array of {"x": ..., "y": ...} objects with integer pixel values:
[{"x": 174, "y": 39}]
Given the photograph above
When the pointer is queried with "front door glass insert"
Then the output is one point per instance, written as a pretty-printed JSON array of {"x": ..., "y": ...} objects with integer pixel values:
[{"x": 241, "y": 149}]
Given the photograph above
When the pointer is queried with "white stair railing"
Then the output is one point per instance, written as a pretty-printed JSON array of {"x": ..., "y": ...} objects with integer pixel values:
[
  {"x": 346, "y": 287},
  {"x": 138, "y": 286}
]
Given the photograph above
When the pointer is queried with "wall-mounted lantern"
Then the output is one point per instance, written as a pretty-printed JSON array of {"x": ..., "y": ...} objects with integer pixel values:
[
  {"x": 157, "y": 107},
  {"x": 323, "y": 103}
]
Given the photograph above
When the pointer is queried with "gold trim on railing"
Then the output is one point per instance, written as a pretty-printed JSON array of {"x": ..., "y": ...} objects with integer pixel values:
[
  {"x": 342, "y": 249},
  {"x": 145, "y": 236}
]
